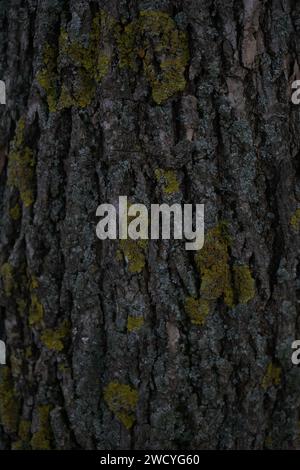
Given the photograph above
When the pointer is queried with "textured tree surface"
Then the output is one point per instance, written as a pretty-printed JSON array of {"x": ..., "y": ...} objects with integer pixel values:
[{"x": 135, "y": 345}]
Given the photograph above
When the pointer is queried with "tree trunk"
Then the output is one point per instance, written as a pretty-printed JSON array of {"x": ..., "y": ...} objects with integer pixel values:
[{"x": 131, "y": 345}]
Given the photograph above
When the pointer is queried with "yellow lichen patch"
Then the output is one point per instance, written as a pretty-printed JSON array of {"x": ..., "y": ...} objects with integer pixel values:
[
  {"x": 295, "y": 220},
  {"x": 21, "y": 306},
  {"x": 173, "y": 80},
  {"x": 53, "y": 339},
  {"x": 41, "y": 440},
  {"x": 171, "y": 52},
  {"x": 272, "y": 376},
  {"x": 268, "y": 442},
  {"x": 36, "y": 311},
  {"x": 65, "y": 99},
  {"x": 152, "y": 42},
  {"x": 244, "y": 284},
  {"x": 101, "y": 36},
  {"x": 9, "y": 406},
  {"x": 81, "y": 89},
  {"x": 91, "y": 62},
  {"x": 24, "y": 436},
  {"x": 47, "y": 77},
  {"x": 127, "y": 47},
  {"x": 155, "y": 40},
  {"x": 134, "y": 323},
  {"x": 197, "y": 310},
  {"x": 168, "y": 179},
  {"x": 94, "y": 58},
  {"x": 15, "y": 212},
  {"x": 134, "y": 252},
  {"x": 84, "y": 90},
  {"x": 103, "y": 64},
  {"x": 80, "y": 92},
  {"x": 28, "y": 352},
  {"x": 17, "y": 445},
  {"x": 7, "y": 278},
  {"x": 21, "y": 164},
  {"x": 213, "y": 264},
  {"x": 122, "y": 400},
  {"x": 34, "y": 283},
  {"x": 63, "y": 367}
]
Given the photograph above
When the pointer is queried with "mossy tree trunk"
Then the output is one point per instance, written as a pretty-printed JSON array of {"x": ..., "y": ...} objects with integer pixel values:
[{"x": 146, "y": 345}]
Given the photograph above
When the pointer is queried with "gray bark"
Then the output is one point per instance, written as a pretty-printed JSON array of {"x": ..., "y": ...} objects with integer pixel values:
[{"x": 81, "y": 372}]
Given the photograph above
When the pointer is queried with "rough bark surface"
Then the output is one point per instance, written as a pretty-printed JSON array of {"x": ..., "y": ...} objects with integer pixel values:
[{"x": 148, "y": 346}]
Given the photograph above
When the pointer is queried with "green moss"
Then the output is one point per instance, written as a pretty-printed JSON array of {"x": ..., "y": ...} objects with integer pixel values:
[
  {"x": 295, "y": 220},
  {"x": 244, "y": 284},
  {"x": 213, "y": 264},
  {"x": 47, "y": 77},
  {"x": 9, "y": 405},
  {"x": 21, "y": 165},
  {"x": 134, "y": 323},
  {"x": 36, "y": 311},
  {"x": 7, "y": 276},
  {"x": 53, "y": 339},
  {"x": 15, "y": 212},
  {"x": 122, "y": 401},
  {"x": 168, "y": 179},
  {"x": 272, "y": 376},
  {"x": 197, "y": 310},
  {"x": 41, "y": 440},
  {"x": 134, "y": 252}
]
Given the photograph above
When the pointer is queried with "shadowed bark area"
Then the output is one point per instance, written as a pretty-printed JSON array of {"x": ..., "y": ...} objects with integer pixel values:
[{"x": 134, "y": 345}]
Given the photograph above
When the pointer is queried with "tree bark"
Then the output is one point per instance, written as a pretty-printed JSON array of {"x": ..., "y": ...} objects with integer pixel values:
[{"x": 131, "y": 345}]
